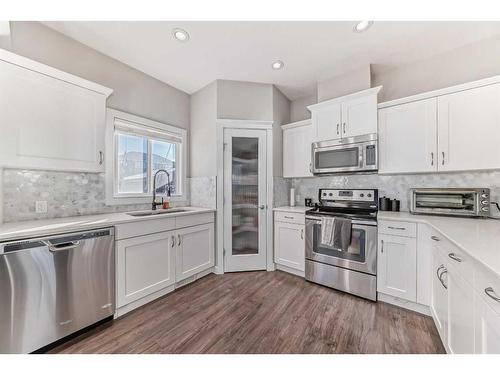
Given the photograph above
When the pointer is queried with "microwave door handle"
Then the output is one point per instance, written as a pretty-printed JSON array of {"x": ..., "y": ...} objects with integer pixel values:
[{"x": 361, "y": 158}]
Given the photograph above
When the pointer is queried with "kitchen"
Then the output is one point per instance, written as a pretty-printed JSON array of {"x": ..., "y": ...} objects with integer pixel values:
[{"x": 153, "y": 209}]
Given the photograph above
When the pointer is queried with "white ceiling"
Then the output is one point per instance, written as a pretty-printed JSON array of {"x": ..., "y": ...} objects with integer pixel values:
[{"x": 312, "y": 51}]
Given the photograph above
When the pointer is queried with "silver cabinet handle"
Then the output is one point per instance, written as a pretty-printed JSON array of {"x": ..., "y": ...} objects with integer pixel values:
[
  {"x": 381, "y": 246},
  {"x": 310, "y": 168},
  {"x": 178, "y": 240},
  {"x": 432, "y": 158},
  {"x": 64, "y": 246},
  {"x": 445, "y": 271},
  {"x": 442, "y": 161},
  {"x": 343, "y": 125},
  {"x": 455, "y": 257},
  {"x": 302, "y": 234},
  {"x": 437, "y": 271},
  {"x": 173, "y": 241},
  {"x": 398, "y": 228},
  {"x": 288, "y": 217},
  {"x": 338, "y": 129},
  {"x": 101, "y": 157},
  {"x": 435, "y": 238},
  {"x": 491, "y": 293}
]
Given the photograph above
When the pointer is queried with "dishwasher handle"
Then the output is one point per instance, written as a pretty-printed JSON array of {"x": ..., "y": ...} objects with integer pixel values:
[{"x": 62, "y": 246}]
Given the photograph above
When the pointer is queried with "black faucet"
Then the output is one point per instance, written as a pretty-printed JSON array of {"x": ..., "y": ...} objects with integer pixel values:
[{"x": 154, "y": 204}]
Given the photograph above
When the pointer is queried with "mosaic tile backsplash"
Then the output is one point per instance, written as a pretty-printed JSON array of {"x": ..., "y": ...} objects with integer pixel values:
[
  {"x": 398, "y": 186},
  {"x": 66, "y": 193}
]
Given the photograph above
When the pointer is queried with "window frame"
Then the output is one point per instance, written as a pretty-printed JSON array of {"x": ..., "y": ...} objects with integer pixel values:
[{"x": 164, "y": 133}]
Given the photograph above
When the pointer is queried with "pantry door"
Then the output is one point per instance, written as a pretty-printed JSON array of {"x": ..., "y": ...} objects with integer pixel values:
[{"x": 245, "y": 199}]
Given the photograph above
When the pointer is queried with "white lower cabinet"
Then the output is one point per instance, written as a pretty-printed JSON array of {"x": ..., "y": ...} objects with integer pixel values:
[
  {"x": 145, "y": 265},
  {"x": 460, "y": 314},
  {"x": 289, "y": 245},
  {"x": 194, "y": 250},
  {"x": 396, "y": 266},
  {"x": 486, "y": 328},
  {"x": 439, "y": 296}
]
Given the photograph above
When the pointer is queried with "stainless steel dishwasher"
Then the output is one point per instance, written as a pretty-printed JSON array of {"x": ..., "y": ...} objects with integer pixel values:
[{"x": 53, "y": 286}]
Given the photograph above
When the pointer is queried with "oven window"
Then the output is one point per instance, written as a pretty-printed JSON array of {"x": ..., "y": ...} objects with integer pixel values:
[
  {"x": 339, "y": 158},
  {"x": 356, "y": 251}
]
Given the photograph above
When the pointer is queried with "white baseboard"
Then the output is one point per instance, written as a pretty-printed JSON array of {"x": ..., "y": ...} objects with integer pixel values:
[
  {"x": 290, "y": 270},
  {"x": 409, "y": 305}
]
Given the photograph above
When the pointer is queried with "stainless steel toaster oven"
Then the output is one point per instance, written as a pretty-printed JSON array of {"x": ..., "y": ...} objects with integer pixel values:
[{"x": 472, "y": 202}]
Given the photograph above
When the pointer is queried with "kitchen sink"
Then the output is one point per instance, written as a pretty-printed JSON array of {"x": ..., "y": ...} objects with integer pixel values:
[{"x": 158, "y": 212}]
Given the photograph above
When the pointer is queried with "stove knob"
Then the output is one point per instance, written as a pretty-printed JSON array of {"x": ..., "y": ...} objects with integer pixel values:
[
  {"x": 369, "y": 195},
  {"x": 484, "y": 202},
  {"x": 484, "y": 195},
  {"x": 324, "y": 194},
  {"x": 484, "y": 209},
  {"x": 331, "y": 194},
  {"x": 361, "y": 195}
]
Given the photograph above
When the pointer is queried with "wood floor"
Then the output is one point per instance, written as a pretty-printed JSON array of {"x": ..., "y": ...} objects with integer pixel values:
[{"x": 261, "y": 312}]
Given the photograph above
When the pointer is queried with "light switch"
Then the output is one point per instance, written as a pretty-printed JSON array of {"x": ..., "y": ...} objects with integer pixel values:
[{"x": 41, "y": 207}]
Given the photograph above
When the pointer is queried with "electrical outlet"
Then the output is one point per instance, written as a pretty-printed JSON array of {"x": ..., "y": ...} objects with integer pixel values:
[{"x": 41, "y": 207}]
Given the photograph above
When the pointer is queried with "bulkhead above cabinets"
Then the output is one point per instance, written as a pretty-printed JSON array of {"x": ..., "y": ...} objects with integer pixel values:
[{"x": 346, "y": 116}]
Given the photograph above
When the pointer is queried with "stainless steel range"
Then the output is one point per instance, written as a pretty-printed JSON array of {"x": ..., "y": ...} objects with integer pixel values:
[{"x": 352, "y": 269}]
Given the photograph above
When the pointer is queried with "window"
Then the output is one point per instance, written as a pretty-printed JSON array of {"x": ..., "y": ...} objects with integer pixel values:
[{"x": 141, "y": 148}]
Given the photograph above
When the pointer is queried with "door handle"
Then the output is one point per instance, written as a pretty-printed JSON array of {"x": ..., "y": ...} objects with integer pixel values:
[
  {"x": 343, "y": 125},
  {"x": 382, "y": 246},
  {"x": 101, "y": 157},
  {"x": 491, "y": 293},
  {"x": 178, "y": 240},
  {"x": 338, "y": 129},
  {"x": 432, "y": 158},
  {"x": 445, "y": 271},
  {"x": 302, "y": 234},
  {"x": 173, "y": 241},
  {"x": 442, "y": 161},
  {"x": 455, "y": 257}
]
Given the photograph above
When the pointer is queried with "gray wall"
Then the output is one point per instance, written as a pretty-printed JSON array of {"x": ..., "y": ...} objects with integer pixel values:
[
  {"x": 344, "y": 84},
  {"x": 468, "y": 63},
  {"x": 203, "y": 131},
  {"x": 281, "y": 115},
  {"x": 244, "y": 100},
  {"x": 134, "y": 91},
  {"x": 298, "y": 107}
]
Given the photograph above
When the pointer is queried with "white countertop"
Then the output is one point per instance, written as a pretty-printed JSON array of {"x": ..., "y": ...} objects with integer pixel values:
[
  {"x": 296, "y": 209},
  {"x": 480, "y": 238},
  {"x": 47, "y": 227}
]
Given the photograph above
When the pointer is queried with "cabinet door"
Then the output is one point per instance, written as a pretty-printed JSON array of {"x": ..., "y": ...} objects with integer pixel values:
[
  {"x": 195, "y": 250},
  {"x": 48, "y": 123},
  {"x": 297, "y": 151},
  {"x": 424, "y": 265},
  {"x": 487, "y": 328},
  {"x": 144, "y": 265},
  {"x": 289, "y": 245},
  {"x": 460, "y": 314},
  {"x": 326, "y": 122},
  {"x": 396, "y": 266},
  {"x": 408, "y": 137},
  {"x": 468, "y": 129},
  {"x": 439, "y": 296},
  {"x": 359, "y": 116}
]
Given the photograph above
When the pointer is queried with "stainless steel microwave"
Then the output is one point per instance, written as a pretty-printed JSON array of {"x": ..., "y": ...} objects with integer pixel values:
[{"x": 345, "y": 155}]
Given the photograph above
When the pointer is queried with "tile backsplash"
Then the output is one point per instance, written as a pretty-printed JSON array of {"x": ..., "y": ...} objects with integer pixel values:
[
  {"x": 66, "y": 193},
  {"x": 397, "y": 186}
]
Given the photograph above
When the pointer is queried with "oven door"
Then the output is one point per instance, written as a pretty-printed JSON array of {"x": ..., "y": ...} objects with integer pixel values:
[
  {"x": 338, "y": 158},
  {"x": 361, "y": 255}
]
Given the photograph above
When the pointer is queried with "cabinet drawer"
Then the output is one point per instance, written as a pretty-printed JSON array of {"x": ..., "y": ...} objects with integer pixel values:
[
  {"x": 191, "y": 220},
  {"x": 487, "y": 285},
  {"x": 141, "y": 228},
  {"x": 290, "y": 217},
  {"x": 397, "y": 228},
  {"x": 455, "y": 257}
]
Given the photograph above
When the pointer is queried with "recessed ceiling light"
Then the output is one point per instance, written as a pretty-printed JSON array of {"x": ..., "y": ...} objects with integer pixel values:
[
  {"x": 180, "y": 35},
  {"x": 362, "y": 26},
  {"x": 278, "y": 64}
]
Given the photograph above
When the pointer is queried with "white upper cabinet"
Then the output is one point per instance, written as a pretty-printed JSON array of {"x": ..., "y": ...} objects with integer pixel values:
[
  {"x": 469, "y": 129},
  {"x": 297, "y": 140},
  {"x": 453, "y": 129},
  {"x": 346, "y": 116},
  {"x": 408, "y": 137},
  {"x": 49, "y": 119}
]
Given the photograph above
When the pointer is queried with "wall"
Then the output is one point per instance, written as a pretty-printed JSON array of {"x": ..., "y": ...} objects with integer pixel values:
[
  {"x": 468, "y": 63},
  {"x": 356, "y": 80},
  {"x": 69, "y": 194},
  {"x": 298, "y": 107},
  {"x": 244, "y": 100},
  {"x": 281, "y": 116},
  {"x": 203, "y": 132},
  {"x": 397, "y": 186}
]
